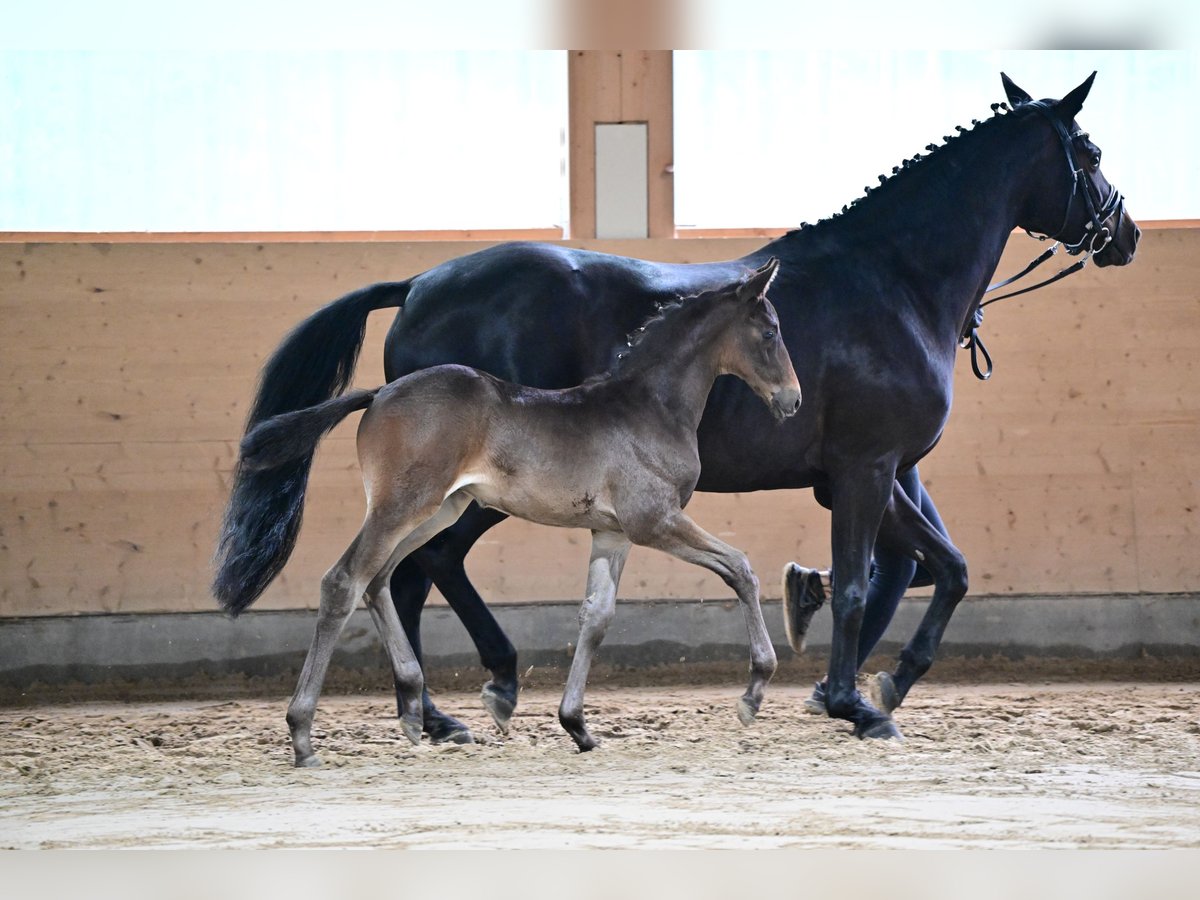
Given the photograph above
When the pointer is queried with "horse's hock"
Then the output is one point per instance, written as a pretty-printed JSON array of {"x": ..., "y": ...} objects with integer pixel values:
[{"x": 1071, "y": 479}]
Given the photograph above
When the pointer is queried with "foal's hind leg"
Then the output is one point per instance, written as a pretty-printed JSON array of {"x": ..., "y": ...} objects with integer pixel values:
[
  {"x": 906, "y": 529},
  {"x": 683, "y": 538},
  {"x": 609, "y": 551},
  {"x": 442, "y": 561},
  {"x": 406, "y": 667},
  {"x": 384, "y": 537},
  {"x": 341, "y": 588}
]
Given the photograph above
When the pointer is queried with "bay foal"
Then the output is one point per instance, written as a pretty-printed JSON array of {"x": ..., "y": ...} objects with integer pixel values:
[{"x": 616, "y": 455}]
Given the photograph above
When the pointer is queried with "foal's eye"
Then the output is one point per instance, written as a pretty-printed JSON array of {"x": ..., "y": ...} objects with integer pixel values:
[{"x": 768, "y": 334}]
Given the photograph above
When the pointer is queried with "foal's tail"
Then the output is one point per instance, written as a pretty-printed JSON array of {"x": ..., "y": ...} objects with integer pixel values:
[
  {"x": 295, "y": 435},
  {"x": 263, "y": 519},
  {"x": 314, "y": 363}
]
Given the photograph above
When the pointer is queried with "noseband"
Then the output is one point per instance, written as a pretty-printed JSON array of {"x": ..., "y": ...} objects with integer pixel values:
[{"x": 1096, "y": 236}]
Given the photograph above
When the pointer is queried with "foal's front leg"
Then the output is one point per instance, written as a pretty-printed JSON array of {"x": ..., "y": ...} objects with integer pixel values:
[
  {"x": 609, "y": 551},
  {"x": 683, "y": 538}
]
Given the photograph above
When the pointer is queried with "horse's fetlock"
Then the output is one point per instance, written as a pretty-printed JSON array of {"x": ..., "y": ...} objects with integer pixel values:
[{"x": 299, "y": 715}]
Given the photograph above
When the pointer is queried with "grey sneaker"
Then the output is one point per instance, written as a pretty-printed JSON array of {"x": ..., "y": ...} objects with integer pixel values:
[
  {"x": 816, "y": 703},
  {"x": 803, "y": 595}
]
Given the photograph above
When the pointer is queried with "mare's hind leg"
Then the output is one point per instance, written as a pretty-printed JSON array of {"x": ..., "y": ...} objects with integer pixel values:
[
  {"x": 409, "y": 589},
  {"x": 406, "y": 667},
  {"x": 683, "y": 538},
  {"x": 442, "y": 560},
  {"x": 609, "y": 551},
  {"x": 341, "y": 587},
  {"x": 906, "y": 529}
]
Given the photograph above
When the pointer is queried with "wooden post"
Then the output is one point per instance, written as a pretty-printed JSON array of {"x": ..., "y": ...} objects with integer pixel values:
[{"x": 612, "y": 86}]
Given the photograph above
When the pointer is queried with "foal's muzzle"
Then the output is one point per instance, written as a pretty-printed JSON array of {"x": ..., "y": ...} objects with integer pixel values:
[{"x": 785, "y": 402}]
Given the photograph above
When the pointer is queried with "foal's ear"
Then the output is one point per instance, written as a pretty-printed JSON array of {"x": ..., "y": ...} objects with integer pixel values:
[
  {"x": 756, "y": 284},
  {"x": 1070, "y": 105},
  {"x": 1016, "y": 96}
]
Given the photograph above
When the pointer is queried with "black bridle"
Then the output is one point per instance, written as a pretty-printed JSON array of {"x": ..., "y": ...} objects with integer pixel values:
[{"x": 1096, "y": 236}]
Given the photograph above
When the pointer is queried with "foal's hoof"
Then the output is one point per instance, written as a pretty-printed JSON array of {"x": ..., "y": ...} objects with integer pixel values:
[
  {"x": 883, "y": 729},
  {"x": 411, "y": 729},
  {"x": 747, "y": 712},
  {"x": 498, "y": 705},
  {"x": 308, "y": 762},
  {"x": 585, "y": 742},
  {"x": 882, "y": 691}
]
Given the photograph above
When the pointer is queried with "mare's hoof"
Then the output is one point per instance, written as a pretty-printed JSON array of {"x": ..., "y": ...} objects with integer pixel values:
[
  {"x": 307, "y": 762},
  {"x": 882, "y": 691},
  {"x": 444, "y": 729},
  {"x": 411, "y": 729},
  {"x": 461, "y": 736},
  {"x": 883, "y": 730},
  {"x": 747, "y": 712},
  {"x": 498, "y": 705}
]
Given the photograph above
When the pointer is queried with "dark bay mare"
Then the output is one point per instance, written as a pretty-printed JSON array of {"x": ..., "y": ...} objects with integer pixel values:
[
  {"x": 616, "y": 455},
  {"x": 873, "y": 303}
]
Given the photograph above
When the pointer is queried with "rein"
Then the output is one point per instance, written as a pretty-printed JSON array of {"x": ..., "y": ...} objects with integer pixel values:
[{"x": 1096, "y": 236}]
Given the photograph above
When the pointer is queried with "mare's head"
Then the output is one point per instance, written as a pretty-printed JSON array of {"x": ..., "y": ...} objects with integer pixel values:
[
  {"x": 1070, "y": 200},
  {"x": 752, "y": 348}
]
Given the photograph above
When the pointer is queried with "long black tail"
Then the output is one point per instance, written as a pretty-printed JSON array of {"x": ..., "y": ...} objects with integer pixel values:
[{"x": 313, "y": 364}]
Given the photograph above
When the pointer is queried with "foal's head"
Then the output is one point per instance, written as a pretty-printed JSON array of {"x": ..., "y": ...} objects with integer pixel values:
[{"x": 752, "y": 348}]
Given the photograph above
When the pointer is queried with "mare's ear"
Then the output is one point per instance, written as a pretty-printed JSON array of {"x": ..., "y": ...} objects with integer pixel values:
[
  {"x": 1070, "y": 105},
  {"x": 755, "y": 286},
  {"x": 1016, "y": 96}
]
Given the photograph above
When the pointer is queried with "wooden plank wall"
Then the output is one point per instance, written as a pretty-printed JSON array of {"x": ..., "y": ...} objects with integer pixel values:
[{"x": 128, "y": 369}]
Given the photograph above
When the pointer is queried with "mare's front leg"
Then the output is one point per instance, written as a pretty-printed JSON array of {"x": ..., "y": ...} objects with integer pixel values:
[
  {"x": 859, "y": 498},
  {"x": 906, "y": 528},
  {"x": 609, "y": 552},
  {"x": 683, "y": 538}
]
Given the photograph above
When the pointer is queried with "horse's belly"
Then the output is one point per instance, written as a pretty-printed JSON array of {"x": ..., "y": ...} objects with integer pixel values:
[{"x": 559, "y": 506}]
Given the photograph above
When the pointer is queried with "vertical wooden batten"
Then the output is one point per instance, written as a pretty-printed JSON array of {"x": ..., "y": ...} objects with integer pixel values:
[{"x": 612, "y": 86}]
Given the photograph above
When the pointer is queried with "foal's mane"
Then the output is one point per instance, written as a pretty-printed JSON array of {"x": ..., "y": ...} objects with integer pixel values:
[{"x": 656, "y": 337}]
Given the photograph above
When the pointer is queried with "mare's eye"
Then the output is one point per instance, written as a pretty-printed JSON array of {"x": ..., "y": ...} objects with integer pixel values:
[
  {"x": 1095, "y": 160},
  {"x": 768, "y": 334}
]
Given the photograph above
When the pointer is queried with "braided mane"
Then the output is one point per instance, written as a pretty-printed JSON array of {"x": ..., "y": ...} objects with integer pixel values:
[{"x": 887, "y": 182}]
